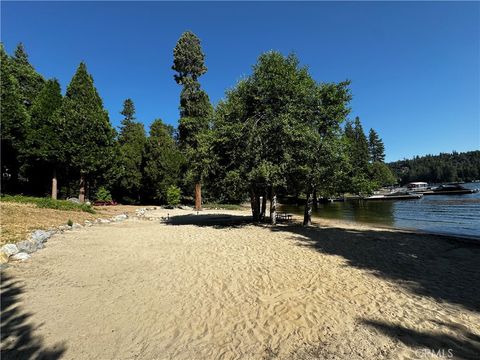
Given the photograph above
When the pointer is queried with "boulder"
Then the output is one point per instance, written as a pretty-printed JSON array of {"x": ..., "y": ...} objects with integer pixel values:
[
  {"x": 104, "y": 221},
  {"x": 120, "y": 217},
  {"x": 40, "y": 236},
  {"x": 76, "y": 226},
  {"x": 27, "y": 246},
  {"x": 9, "y": 249},
  {"x": 74, "y": 200},
  {"x": 21, "y": 256}
]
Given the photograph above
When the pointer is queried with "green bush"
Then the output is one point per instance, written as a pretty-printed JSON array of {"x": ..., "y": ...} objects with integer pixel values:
[
  {"x": 103, "y": 194},
  {"x": 70, "y": 222},
  {"x": 173, "y": 195},
  {"x": 48, "y": 203}
]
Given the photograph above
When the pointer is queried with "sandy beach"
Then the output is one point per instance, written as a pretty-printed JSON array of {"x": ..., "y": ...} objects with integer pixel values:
[{"x": 213, "y": 286}]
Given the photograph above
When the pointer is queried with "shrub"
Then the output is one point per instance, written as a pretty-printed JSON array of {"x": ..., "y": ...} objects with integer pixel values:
[
  {"x": 103, "y": 194},
  {"x": 70, "y": 222},
  {"x": 173, "y": 195},
  {"x": 48, "y": 203}
]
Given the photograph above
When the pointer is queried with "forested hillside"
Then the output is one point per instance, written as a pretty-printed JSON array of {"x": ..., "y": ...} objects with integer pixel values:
[{"x": 446, "y": 167}]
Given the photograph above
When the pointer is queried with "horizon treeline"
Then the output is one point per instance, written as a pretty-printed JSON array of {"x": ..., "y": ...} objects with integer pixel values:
[
  {"x": 442, "y": 168},
  {"x": 277, "y": 132}
]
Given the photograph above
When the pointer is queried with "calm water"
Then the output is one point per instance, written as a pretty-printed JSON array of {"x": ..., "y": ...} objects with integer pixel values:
[{"x": 446, "y": 214}]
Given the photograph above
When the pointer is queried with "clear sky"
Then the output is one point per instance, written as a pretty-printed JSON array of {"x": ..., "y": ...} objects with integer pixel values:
[{"x": 414, "y": 66}]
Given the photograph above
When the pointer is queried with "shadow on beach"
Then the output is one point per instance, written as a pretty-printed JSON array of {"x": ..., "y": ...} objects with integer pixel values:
[
  {"x": 464, "y": 345},
  {"x": 219, "y": 221},
  {"x": 439, "y": 267},
  {"x": 17, "y": 336}
]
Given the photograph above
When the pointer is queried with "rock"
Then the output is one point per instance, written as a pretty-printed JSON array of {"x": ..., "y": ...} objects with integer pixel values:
[
  {"x": 88, "y": 203},
  {"x": 3, "y": 258},
  {"x": 27, "y": 246},
  {"x": 76, "y": 226},
  {"x": 74, "y": 200},
  {"x": 104, "y": 221},
  {"x": 21, "y": 256},
  {"x": 120, "y": 217},
  {"x": 88, "y": 223},
  {"x": 40, "y": 236},
  {"x": 9, "y": 249}
]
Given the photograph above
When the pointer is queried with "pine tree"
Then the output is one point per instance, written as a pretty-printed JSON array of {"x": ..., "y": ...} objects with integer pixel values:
[
  {"x": 195, "y": 107},
  {"x": 29, "y": 81},
  {"x": 132, "y": 142},
  {"x": 162, "y": 161},
  {"x": 14, "y": 119},
  {"x": 376, "y": 147},
  {"x": 44, "y": 144},
  {"x": 88, "y": 134}
]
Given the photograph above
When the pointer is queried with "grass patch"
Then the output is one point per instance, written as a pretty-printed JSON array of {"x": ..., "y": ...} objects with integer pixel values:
[
  {"x": 215, "y": 206},
  {"x": 48, "y": 203}
]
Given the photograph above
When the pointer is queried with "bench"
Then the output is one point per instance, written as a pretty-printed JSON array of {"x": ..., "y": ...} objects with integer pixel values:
[{"x": 283, "y": 216}]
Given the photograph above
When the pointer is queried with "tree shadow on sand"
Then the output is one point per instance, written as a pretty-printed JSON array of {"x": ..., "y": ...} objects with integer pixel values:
[
  {"x": 219, "y": 221},
  {"x": 17, "y": 335},
  {"x": 464, "y": 345},
  {"x": 443, "y": 268}
]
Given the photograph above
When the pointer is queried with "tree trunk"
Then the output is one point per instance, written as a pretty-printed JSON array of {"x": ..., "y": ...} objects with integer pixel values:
[
  {"x": 254, "y": 201},
  {"x": 81, "y": 197},
  {"x": 307, "y": 215},
  {"x": 54, "y": 184},
  {"x": 273, "y": 208},
  {"x": 315, "y": 199},
  {"x": 198, "y": 196},
  {"x": 264, "y": 206}
]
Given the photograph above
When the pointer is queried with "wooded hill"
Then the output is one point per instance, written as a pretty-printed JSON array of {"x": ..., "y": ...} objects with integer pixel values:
[{"x": 445, "y": 167}]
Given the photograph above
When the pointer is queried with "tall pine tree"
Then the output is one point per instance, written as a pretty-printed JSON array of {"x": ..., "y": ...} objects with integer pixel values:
[
  {"x": 44, "y": 145},
  {"x": 195, "y": 107},
  {"x": 376, "y": 147},
  {"x": 13, "y": 123},
  {"x": 132, "y": 142},
  {"x": 88, "y": 133}
]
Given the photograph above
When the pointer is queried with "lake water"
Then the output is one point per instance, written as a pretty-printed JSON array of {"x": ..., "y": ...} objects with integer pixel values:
[{"x": 445, "y": 214}]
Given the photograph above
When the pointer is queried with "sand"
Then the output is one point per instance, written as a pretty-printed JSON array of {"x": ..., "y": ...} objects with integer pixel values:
[{"x": 202, "y": 289}]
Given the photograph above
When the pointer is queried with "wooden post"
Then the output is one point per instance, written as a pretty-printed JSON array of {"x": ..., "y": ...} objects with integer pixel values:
[
  {"x": 81, "y": 196},
  {"x": 54, "y": 184},
  {"x": 198, "y": 196}
]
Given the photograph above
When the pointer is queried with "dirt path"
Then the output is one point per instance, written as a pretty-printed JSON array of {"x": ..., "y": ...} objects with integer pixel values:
[{"x": 145, "y": 290}]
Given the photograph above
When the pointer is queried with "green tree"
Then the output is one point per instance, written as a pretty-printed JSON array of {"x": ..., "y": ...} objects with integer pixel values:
[
  {"x": 195, "y": 107},
  {"x": 132, "y": 141},
  {"x": 44, "y": 143},
  {"x": 162, "y": 162},
  {"x": 14, "y": 121},
  {"x": 381, "y": 174},
  {"x": 375, "y": 147},
  {"x": 29, "y": 81},
  {"x": 88, "y": 134}
]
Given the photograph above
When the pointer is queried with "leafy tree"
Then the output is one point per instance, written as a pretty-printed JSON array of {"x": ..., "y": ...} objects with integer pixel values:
[
  {"x": 44, "y": 144},
  {"x": 381, "y": 174},
  {"x": 375, "y": 147},
  {"x": 195, "y": 107},
  {"x": 88, "y": 133},
  {"x": 14, "y": 121},
  {"x": 162, "y": 161},
  {"x": 132, "y": 141}
]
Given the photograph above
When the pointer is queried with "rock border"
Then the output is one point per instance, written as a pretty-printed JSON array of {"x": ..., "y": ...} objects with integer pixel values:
[{"x": 22, "y": 250}]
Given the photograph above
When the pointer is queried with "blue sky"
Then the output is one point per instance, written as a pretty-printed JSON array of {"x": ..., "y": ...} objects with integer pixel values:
[{"x": 414, "y": 66}]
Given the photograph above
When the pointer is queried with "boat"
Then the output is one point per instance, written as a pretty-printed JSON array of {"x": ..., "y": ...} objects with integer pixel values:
[
  {"x": 451, "y": 189},
  {"x": 397, "y": 195},
  {"x": 418, "y": 187}
]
